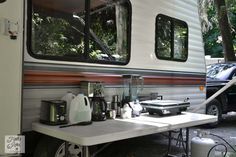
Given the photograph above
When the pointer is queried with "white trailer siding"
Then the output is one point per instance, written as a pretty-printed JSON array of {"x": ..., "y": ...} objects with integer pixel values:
[
  {"x": 143, "y": 61},
  {"x": 11, "y": 72},
  {"x": 143, "y": 34},
  {"x": 143, "y": 37}
]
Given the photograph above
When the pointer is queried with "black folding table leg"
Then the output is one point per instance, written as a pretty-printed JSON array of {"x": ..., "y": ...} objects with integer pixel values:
[
  {"x": 169, "y": 144},
  {"x": 187, "y": 142}
]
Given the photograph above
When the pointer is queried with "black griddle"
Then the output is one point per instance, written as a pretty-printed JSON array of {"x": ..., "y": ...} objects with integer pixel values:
[{"x": 165, "y": 107}]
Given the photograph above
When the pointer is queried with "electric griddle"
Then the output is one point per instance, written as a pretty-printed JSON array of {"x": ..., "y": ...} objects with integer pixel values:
[{"x": 165, "y": 107}]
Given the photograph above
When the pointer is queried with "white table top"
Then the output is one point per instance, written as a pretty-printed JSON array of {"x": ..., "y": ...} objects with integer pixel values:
[{"x": 118, "y": 129}]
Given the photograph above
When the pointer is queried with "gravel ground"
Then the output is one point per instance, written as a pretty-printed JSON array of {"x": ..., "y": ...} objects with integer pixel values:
[
  {"x": 226, "y": 129},
  {"x": 156, "y": 145}
]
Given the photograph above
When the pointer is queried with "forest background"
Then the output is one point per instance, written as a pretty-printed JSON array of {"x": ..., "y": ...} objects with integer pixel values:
[{"x": 211, "y": 14}]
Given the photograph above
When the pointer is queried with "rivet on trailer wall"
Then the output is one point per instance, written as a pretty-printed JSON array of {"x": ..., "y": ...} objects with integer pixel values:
[{"x": 1, "y": 1}]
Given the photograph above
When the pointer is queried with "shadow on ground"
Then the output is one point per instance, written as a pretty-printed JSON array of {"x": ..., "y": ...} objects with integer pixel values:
[
  {"x": 147, "y": 146},
  {"x": 156, "y": 145}
]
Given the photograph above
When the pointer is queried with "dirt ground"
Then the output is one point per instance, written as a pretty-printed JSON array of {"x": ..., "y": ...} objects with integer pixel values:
[
  {"x": 156, "y": 145},
  {"x": 226, "y": 129}
]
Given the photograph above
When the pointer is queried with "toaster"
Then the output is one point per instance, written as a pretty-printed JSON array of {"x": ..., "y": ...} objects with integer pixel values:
[{"x": 53, "y": 112}]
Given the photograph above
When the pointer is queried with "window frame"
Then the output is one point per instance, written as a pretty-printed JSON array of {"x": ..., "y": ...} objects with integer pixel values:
[
  {"x": 85, "y": 59},
  {"x": 173, "y": 22}
]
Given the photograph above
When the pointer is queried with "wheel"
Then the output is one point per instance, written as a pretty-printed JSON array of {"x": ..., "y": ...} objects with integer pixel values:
[
  {"x": 214, "y": 108},
  {"x": 151, "y": 113},
  {"x": 52, "y": 147}
]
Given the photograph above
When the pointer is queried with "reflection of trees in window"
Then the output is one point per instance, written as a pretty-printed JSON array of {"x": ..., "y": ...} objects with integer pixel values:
[
  {"x": 58, "y": 31},
  {"x": 110, "y": 23},
  {"x": 164, "y": 37},
  {"x": 56, "y": 36},
  {"x": 171, "y": 38},
  {"x": 180, "y": 38}
]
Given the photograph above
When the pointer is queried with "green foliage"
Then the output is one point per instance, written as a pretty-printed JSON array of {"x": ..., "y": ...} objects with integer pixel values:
[
  {"x": 213, "y": 44},
  {"x": 62, "y": 34},
  {"x": 50, "y": 40},
  {"x": 104, "y": 31}
]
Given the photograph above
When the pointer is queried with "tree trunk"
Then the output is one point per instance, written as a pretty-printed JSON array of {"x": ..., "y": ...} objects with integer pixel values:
[
  {"x": 121, "y": 25},
  {"x": 225, "y": 30}
]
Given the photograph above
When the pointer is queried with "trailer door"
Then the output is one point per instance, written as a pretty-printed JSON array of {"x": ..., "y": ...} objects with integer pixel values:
[{"x": 11, "y": 41}]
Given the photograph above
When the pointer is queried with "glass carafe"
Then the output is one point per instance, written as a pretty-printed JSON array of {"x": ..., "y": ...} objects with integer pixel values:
[{"x": 132, "y": 85}]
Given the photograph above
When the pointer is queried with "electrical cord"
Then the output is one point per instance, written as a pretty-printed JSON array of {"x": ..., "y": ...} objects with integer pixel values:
[
  {"x": 224, "y": 141},
  {"x": 220, "y": 144}
]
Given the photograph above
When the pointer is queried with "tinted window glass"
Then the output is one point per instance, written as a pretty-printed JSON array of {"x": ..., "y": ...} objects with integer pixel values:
[
  {"x": 58, "y": 30},
  {"x": 163, "y": 37},
  {"x": 171, "y": 38},
  {"x": 220, "y": 71},
  {"x": 109, "y": 31},
  {"x": 54, "y": 30}
]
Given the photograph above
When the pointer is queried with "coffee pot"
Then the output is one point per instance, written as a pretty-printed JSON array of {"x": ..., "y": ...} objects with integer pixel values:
[
  {"x": 98, "y": 103},
  {"x": 99, "y": 108}
]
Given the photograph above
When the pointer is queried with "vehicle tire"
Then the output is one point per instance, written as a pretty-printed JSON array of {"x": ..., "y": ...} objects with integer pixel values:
[
  {"x": 52, "y": 147},
  {"x": 214, "y": 108},
  {"x": 151, "y": 113}
]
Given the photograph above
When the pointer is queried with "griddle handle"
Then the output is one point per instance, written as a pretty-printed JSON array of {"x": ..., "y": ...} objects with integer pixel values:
[{"x": 159, "y": 97}]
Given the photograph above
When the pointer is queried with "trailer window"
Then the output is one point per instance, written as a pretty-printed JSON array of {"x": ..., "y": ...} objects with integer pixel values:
[
  {"x": 57, "y": 30},
  {"x": 171, "y": 38}
]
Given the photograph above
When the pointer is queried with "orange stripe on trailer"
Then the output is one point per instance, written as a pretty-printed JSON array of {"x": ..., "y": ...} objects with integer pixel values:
[{"x": 38, "y": 77}]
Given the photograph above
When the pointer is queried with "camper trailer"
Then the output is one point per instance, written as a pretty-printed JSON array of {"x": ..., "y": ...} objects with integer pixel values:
[{"x": 49, "y": 47}]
